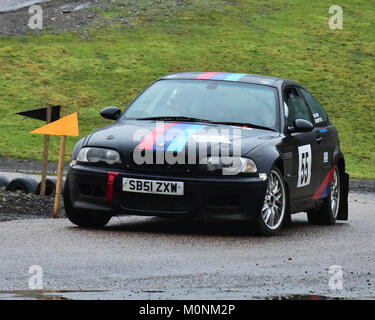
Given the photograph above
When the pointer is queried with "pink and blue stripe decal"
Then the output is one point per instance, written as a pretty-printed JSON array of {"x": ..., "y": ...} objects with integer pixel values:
[
  {"x": 221, "y": 76},
  {"x": 180, "y": 140},
  {"x": 325, "y": 192},
  {"x": 324, "y": 188},
  {"x": 149, "y": 140},
  {"x": 169, "y": 135},
  {"x": 235, "y": 77},
  {"x": 207, "y": 75}
]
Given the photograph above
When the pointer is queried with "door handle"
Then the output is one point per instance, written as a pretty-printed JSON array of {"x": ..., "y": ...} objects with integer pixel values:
[{"x": 319, "y": 140}]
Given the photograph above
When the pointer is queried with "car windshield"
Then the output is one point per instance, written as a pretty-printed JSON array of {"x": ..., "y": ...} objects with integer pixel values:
[{"x": 215, "y": 101}]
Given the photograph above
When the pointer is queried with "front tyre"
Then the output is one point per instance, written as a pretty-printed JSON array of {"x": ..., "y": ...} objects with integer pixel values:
[
  {"x": 272, "y": 216},
  {"x": 328, "y": 212},
  {"x": 82, "y": 218}
]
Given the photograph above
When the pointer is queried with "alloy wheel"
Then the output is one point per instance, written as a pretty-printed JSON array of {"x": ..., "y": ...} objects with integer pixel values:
[{"x": 274, "y": 202}]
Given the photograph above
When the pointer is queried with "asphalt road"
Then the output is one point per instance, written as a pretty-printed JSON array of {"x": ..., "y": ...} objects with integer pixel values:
[{"x": 142, "y": 258}]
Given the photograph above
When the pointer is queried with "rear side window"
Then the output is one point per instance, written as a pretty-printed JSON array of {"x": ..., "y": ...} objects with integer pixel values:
[{"x": 320, "y": 116}]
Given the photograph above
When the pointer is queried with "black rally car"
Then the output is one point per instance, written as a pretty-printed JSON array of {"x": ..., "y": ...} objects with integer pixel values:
[{"x": 212, "y": 144}]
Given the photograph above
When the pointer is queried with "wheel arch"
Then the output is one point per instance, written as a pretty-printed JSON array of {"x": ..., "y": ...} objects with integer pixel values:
[
  {"x": 340, "y": 162},
  {"x": 265, "y": 157},
  {"x": 344, "y": 186},
  {"x": 279, "y": 162},
  {"x": 338, "y": 159}
]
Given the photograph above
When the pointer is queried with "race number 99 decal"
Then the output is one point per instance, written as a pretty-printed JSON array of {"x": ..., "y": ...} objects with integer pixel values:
[{"x": 304, "y": 165}]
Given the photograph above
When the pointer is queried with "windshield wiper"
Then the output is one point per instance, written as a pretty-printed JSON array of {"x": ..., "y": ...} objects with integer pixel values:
[
  {"x": 243, "y": 124},
  {"x": 176, "y": 118},
  {"x": 182, "y": 118}
]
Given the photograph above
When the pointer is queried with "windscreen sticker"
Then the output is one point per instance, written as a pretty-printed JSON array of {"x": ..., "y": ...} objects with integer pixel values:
[
  {"x": 207, "y": 75},
  {"x": 221, "y": 76},
  {"x": 304, "y": 165}
]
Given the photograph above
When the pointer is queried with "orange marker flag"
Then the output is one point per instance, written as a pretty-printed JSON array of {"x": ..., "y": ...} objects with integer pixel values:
[{"x": 67, "y": 126}]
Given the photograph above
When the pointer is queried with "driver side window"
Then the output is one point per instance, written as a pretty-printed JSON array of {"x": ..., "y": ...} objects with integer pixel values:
[{"x": 295, "y": 106}]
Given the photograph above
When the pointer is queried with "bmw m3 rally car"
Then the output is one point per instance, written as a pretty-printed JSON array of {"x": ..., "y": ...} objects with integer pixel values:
[{"x": 212, "y": 144}]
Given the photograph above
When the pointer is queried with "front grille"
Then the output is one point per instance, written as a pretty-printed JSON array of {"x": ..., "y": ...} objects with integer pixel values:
[
  {"x": 154, "y": 202},
  {"x": 177, "y": 168},
  {"x": 223, "y": 201}
]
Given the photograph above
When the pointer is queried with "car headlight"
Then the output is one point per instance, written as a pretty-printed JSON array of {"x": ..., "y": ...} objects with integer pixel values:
[
  {"x": 230, "y": 165},
  {"x": 94, "y": 155}
]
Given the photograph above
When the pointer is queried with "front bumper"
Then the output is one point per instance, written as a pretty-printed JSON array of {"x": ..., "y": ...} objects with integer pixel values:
[{"x": 205, "y": 196}]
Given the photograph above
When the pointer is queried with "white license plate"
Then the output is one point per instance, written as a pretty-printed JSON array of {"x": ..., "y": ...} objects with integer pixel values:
[{"x": 153, "y": 186}]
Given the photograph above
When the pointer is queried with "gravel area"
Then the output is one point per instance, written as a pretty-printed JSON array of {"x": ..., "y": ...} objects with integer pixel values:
[{"x": 18, "y": 206}]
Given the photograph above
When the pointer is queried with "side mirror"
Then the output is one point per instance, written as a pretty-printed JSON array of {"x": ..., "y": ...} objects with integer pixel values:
[
  {"x": 111, "y": 113},
  {"x": 301, "y": 125}
]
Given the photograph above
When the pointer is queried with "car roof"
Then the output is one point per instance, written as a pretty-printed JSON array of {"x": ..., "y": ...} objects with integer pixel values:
[{"x": 227, "y": 76}]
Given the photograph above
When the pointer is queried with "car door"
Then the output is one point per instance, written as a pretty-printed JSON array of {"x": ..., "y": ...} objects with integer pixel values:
[
  {"x": 300, "y": 149},
  {"x": 326, "y": 134}
]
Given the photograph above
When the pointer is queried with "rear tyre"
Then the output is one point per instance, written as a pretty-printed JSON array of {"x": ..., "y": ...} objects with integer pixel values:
[
  {"x": 24, "y": 184},
  {"x": 272, "y": 216},
  {"x": 327, "y": 213},
  {"x": 83, "y": 218}
]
